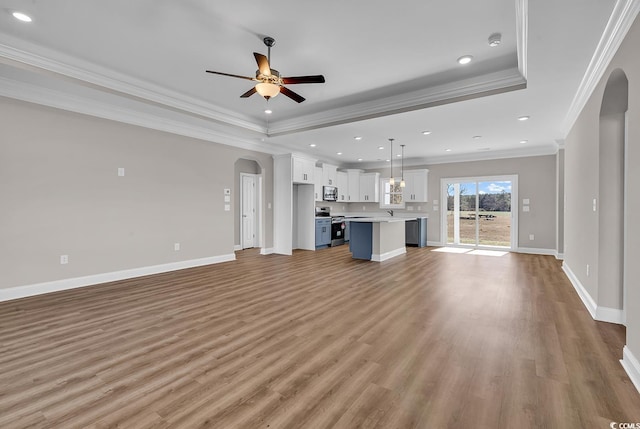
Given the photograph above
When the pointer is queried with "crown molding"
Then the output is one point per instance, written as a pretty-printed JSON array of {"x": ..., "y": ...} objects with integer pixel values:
[
  {"x": 488, "y": 84},
  {"x": 522, "y": 34},
  {"x": 623, "y": 15},
  {"x": 464, "y": 157},
  {"x": 61, "y": 100},
  {"x": 43, "y": 60}
]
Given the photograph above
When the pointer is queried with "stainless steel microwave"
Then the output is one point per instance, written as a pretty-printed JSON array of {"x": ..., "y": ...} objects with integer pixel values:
[{"x": 329, "y": 193}]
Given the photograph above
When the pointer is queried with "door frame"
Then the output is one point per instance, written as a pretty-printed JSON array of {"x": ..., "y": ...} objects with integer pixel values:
[
  {"x": 258, "y": 204},
  {"x": 513, "y": 178}
]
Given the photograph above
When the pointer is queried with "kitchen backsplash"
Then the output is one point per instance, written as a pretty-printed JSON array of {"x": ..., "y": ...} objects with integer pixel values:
[{"x": 410, "y": 208}]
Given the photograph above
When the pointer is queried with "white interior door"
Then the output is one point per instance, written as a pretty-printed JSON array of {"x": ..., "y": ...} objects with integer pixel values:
[{"x": 248, "y": 205}]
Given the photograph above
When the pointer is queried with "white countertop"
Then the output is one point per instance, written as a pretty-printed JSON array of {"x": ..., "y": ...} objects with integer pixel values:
[{"x": 381, "y": 219}]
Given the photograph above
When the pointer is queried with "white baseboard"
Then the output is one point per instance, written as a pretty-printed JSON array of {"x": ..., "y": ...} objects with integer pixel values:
[
  {"x": 266, "y": 251},
  {"x": 72, "y": 283},
  {"x": 560, "y": 256},
  {"x": 536, "y": 251},
  {"x": 631, "y": 366},
  {"x": 388, "y": 255},
  {"x": 587, "y": 300},
  {"x": 237, "y": 247},
  {"x": 434, "y": 243},
  {"x": 611, "y": 315},
  {"x": 600, "y": 313}
]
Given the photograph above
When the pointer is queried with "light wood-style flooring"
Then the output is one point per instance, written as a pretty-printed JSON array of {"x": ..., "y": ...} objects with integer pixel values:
[{"x": 317, "y": 340}]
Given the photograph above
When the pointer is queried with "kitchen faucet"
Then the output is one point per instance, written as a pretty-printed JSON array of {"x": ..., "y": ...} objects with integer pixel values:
[{"x": 390, "y": 212}]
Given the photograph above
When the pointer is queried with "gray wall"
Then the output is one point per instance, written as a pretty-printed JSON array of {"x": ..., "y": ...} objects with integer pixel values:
[
  {"x": 536, "y": 181},
  {"x": 61, "y": 194},
  {"x": 582, "y": 185}
]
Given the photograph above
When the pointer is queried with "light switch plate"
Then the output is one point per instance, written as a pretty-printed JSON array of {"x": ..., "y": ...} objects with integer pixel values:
[
  {"x": 227, "y": 207},
  {"x": 525, "y": 208},
  {"x": 227, "y": 199},
  {"x": 525, "y": 201},
  {"x": 121, "y": 171}
]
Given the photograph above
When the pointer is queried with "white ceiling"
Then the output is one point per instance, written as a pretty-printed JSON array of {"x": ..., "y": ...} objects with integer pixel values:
[{"x": 390, "y": 70}]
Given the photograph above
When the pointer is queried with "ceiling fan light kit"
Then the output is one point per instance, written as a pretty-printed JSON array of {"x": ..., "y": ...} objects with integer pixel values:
[{"x": 269, "y": 81}]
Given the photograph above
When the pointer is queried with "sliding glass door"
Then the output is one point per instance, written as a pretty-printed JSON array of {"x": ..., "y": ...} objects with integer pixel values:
[{"x": 479, "y": 212}]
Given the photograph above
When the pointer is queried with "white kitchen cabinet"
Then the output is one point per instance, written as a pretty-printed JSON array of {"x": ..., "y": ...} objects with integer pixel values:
[
  {"x": 343, "y": 186},
  {"x": 415, "y": 190},
  {"x": 329, "y": 175},
  {"x": 353, "y": 194},
  {"x": 303, "y": 170},
  {"x": 318, "y": 183},
  {"x": 370, "y": 187}
]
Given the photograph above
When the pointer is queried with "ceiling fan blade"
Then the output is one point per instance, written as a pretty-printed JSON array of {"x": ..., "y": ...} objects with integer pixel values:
[
  {"x": 292, "y": 95},
  {"x": 263, "y": 64},
  {"x": 231, "y": 75},
  {"x": 303, "y": 79},
  {"x": 249, "y": 93}
]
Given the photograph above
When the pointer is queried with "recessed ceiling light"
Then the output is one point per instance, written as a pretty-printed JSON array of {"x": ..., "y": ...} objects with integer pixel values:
[
  {"x": 338, "y": 153},
  {"x": 426, "y": 133},
  {"x": 358, "y": 138},
  {"x": 447, "y": 150},
  {"x": 359, "y": 159},
  {"x": 523, "y": 141},
  {"x": 523, "y": 118},
  {"x": 477, "y": 137},
  {"x": 268, "y": 111},
  {"x": 22, "y": 16},
  {"x": 399, "y": 155},
  {"x": 495, "y": 39},
  {"x": 380, "y": 147},
  {"x": 312, "y": 145},
  {"x": 388, "y": 160},
  {"x": 465, "y": 59}
]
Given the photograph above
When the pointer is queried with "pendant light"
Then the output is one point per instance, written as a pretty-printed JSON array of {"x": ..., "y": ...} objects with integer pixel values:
[
  {"x": 402, "y": 184},
  {"x": 392, "y": 181}
]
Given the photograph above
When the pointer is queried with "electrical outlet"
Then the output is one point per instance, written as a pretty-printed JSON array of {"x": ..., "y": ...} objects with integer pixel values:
[
  {"x": 364, "y": 208},
  {"x": 176, "y": 246},
  {"x": 121, "y": 172},
  {"x": 64, "y": 259},
  {"x": 595, "y": 204},
  {"x": 410, "y": 208},
  {"x": 532, "y": 237},
  {"x": 588, "y": 270},
  {"x": 419, "y": 208}
]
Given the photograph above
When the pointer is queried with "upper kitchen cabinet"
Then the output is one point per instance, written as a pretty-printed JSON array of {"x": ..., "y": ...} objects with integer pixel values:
[
  {"x": 343, "y": 186},
  {"x": 415, "y": 190},
  {"x": 303, "y": 169},
  {"x": 329, "y": 175},
  {"x": 370, "y": 187},
  {"x": 353, "y": 178}
]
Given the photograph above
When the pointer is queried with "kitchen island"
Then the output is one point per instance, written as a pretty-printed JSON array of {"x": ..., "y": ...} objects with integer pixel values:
[{"x": 377, "y": 238}]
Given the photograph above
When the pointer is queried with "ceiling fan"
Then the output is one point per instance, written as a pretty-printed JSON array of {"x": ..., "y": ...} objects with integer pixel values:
[{"x": 270, "y": 83}]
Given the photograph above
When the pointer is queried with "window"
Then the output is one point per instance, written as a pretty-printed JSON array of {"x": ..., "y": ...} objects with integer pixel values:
[{"x": 391, "y": 195}]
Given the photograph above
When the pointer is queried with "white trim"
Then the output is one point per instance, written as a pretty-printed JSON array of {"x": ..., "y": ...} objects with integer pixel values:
[
  {"x": 434, "y": 243},
  {"x": 388, "y": 255},
  {"x": 76, "y": 282},
  {"x": 522, "y": 34},
  {"x": 559, "y": 256},
  {"x": 537, "y": 251},
  {"x": 257, "y": 220},
  {"x": 631, "y": 366},
  {"x": 587, "y": 300},
  {"x": 622, "y": 17},
  {"x": 237, "y": 247},
  {"x": 490, "y": 83},
  {"x": 266, "y": 251},
  {"x": 85, "y": 72},
  {"x": 610, "y": 315}
]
